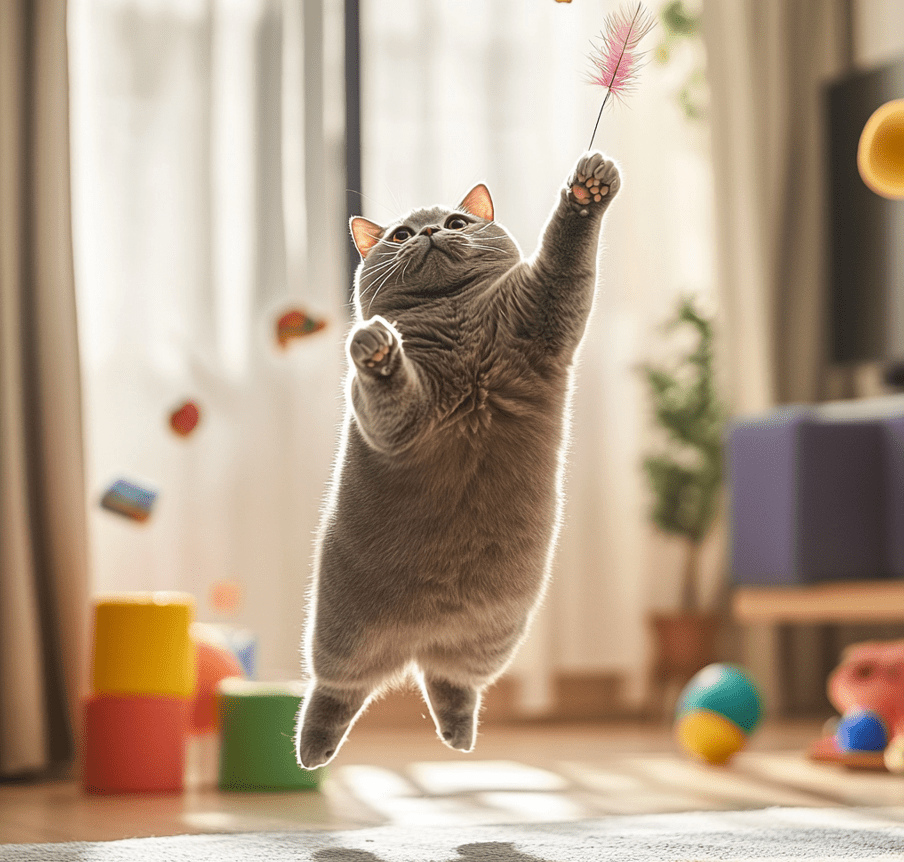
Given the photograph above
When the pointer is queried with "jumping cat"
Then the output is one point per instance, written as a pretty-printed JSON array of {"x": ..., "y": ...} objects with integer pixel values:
[{"x": 437, "y": 537}]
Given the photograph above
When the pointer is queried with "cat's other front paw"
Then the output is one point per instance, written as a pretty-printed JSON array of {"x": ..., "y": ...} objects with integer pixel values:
[
  {"x": 593, "y": 184},
  {"x": 374, "y": 347}
]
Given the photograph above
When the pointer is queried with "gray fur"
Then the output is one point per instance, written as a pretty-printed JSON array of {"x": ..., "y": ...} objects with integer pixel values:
[{"x": 437, "y": 538}]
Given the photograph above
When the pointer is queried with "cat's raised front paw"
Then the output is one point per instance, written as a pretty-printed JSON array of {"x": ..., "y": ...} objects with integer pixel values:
[
  {"x": 593, "y": 184},
  {"x": 374, "y": 347}
]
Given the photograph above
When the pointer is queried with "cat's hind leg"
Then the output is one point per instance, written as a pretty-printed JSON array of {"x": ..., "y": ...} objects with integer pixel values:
[
  {"x": 453, "y": 677},
  {"x": 348, "y": 664},
  {"x": 324, "y": 720},
  {"x": 454, "y": 708}
]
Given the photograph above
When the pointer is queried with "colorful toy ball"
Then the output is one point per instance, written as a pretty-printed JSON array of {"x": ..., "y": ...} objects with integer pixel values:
[
  {"x": 861, "y": 730},
  {"x": 214, "y": 664},
  {"x": 717, "y": 712}
]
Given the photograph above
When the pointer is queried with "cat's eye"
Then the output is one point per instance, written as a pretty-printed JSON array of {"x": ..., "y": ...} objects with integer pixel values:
[
  {"x": 401, "y": 234},
  {"x": 456, "y": 223}
]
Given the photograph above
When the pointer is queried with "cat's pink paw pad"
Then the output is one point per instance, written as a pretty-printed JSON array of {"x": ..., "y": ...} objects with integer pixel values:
[
  {"x": 373, "y": 346},
  {"x": 581, "y": 194},
  {"x": 377, "y": 357},
  {"x": 595, "y": 179}
]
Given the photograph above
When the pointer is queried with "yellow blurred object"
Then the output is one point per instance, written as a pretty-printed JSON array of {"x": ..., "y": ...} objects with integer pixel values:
[
  {"x": 880, "y": 154},
  {"x": 894, "y": 755},
  {"x": 142, "y": 644},
  {"x": 709, "y": 736}
]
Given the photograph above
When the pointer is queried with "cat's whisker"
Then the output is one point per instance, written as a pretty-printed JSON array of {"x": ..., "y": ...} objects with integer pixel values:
[
  {"x": 391, "y": 254},
  {"x": 378, "y": 280},
  {"x": 383, "y": 281},
  {"x": 497, "y": 249},
  {"x": 395, "y": 199},
  {"x": 379, "y": 269}
]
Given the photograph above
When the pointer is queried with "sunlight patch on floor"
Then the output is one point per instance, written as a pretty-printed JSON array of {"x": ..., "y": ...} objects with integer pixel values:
[
  {"x": 443, "y": 779},
  {"x": 536, "y": 807}
]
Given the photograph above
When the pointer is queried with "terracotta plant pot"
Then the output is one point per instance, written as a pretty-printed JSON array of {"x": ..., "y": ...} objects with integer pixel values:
[{"x": 682, "y": 644}]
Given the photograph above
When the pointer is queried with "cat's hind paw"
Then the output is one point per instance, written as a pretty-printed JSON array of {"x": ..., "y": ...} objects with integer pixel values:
[
  {"x": 593, "y": 184},
  {"x": 454, "y": 711},
  {"x": 459, "y": 733},
  {"x": 317, "y": 747},
  {"x": 324, "y": 720},
  {"x": 374, "y": 347}
]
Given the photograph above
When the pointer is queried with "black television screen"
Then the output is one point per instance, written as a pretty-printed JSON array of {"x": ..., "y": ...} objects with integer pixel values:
[{"x": 865, "y": 231}]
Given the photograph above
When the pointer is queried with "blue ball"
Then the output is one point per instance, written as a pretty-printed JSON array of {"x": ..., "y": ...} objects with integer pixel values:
[{"x": 861, "y": 730}]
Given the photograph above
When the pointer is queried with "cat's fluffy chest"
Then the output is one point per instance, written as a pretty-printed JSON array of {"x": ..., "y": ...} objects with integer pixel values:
[{"x": 477, "y": 382}]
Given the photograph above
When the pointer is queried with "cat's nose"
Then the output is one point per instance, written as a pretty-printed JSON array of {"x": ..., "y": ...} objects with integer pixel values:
[{"x": 429, "y": 231}]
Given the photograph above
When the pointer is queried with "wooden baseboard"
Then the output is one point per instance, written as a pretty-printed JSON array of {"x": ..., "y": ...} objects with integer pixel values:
[{"x": 588, "y": 695}]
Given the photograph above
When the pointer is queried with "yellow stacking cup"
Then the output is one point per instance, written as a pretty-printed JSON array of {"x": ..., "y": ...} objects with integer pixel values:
[
  {"x": 880, "y": 154},
  {"x": 142, "y": 644}
]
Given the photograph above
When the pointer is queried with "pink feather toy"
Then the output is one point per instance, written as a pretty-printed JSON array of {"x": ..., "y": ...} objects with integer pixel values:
[{"x": 617, "y": 61}]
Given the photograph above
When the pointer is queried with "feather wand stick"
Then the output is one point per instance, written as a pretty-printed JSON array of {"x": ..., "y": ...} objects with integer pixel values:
[{"x": 617, "y": 60}]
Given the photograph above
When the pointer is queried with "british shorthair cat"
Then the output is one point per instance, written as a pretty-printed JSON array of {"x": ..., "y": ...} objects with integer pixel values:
[{"x": 437, "y": 537}]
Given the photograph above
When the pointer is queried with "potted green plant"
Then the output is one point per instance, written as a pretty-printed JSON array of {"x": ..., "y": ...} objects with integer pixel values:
[{"x": 685, "y": 482}]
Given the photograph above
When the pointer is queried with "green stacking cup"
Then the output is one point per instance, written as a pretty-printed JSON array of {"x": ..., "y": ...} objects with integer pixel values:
[{"x": 257, "y": 729}]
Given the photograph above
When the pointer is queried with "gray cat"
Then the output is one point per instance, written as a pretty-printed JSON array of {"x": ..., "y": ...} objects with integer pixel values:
[{"x": 438, "y": 533}]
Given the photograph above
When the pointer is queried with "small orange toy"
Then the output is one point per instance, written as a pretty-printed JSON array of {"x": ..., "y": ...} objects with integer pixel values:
[{"x": 296, "y": 324}]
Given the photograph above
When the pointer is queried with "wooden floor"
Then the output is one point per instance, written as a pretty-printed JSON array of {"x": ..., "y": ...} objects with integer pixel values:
[{"x": 517, "y": 773}]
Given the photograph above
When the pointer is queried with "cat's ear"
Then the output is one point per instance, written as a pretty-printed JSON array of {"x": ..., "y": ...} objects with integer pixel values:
[
  {"x": 478, "y": 202},
  {"x": 366, "y": 234}
]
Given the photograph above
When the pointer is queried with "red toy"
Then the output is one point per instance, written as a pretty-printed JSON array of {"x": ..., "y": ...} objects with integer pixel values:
[
  {"x": 134, "y": 744},
  {"x": 871, "y": 676},
  {"x": 185, "y": 418},
  {"x": 869, "y": 679}
]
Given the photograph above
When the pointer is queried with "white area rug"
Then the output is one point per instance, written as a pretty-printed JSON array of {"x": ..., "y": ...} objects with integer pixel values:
[{"x": 772, "y": 834}]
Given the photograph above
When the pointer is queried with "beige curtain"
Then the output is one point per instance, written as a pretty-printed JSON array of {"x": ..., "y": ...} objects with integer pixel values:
[
  {"x": 43, "y": 569},
  {"x": 208, "y": 200},
  {"x": 767, "y": 63},
  {"x": 768, "y": 60}
]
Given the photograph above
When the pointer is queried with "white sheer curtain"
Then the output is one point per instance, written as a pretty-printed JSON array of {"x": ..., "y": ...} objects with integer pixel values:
[
  {"x": 457, "y": 93},
  {"x": 209, "y": 197}
]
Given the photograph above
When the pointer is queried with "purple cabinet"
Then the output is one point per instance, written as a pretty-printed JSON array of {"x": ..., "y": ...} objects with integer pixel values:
[{"x": 815, "y": 497}]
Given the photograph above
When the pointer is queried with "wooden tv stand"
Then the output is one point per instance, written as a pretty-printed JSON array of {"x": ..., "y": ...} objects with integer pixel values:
[{"x": 762, "y": 610}]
